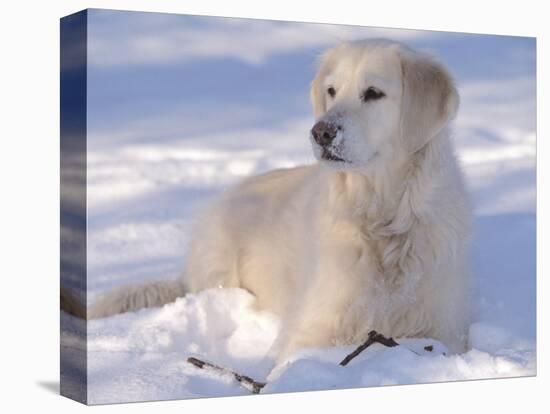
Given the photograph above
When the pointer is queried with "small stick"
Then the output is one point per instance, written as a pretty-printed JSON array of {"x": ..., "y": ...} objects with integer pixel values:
[
  {"x": 374, "y": 337},
  {"x": 254, "y": 386}
]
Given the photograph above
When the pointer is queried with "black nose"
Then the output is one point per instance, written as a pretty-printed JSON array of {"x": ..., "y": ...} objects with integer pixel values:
[{"x": 324, "y": 133}]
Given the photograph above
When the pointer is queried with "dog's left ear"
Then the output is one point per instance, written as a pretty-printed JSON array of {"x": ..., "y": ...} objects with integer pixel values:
[
  {"x": 317, "y": 96},
  {"x": 317, "y": 92},
  {"x": 430, "y": 100}
]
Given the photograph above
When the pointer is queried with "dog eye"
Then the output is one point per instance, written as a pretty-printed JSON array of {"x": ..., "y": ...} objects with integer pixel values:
[
  {"x": 331, "y": 91},
  {"x": 371, "y": 94}
]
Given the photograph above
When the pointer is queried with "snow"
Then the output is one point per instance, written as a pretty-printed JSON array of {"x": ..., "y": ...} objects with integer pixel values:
[
  {"x": 142, "y": 356},
  {"x": 157, "y": 153}
]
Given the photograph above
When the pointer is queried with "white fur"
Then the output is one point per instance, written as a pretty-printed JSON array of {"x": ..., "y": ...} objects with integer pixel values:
[{"x": 339, "y": 248}]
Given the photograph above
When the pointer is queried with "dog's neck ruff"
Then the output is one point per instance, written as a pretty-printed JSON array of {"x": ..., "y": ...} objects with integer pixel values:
[
  {"x": 386, "y": 208},
  {"x": 375, "y": 198}
]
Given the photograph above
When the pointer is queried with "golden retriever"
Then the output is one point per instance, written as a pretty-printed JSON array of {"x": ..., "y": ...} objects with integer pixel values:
[{"x": 373, "y": 236}]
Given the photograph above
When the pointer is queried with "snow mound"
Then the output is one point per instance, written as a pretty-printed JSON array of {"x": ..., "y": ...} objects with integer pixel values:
[{"x": 142, "y": 356}]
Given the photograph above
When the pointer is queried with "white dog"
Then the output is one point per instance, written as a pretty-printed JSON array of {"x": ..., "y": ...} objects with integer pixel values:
[{"x": 373, "y": 236}]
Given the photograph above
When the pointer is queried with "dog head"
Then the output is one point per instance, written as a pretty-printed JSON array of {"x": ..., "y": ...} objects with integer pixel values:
[{"x": 375, "y": 100}]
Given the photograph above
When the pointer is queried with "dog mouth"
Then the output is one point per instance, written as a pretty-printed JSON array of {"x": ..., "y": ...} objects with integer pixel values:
[{"x": 326, "y": 154}]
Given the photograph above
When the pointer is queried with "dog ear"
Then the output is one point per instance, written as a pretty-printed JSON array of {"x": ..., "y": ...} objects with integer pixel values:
[
  {"x": 317, "y": 95},
  {"x": 317, "y": 91},
  {"x": 430, "y": 100}
]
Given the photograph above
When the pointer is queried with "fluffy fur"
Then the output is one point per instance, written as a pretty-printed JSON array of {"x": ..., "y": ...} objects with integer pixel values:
[{"x": 375, "y": 239}]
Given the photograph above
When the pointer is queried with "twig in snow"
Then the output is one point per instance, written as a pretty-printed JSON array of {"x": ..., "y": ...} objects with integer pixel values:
[
  {"x": 254, "y": 386},
  {"x": 374, "y": 337}
]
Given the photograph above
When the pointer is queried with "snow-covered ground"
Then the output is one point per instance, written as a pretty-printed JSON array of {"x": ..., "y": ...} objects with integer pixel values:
[{"x": 173, "y": 123}]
